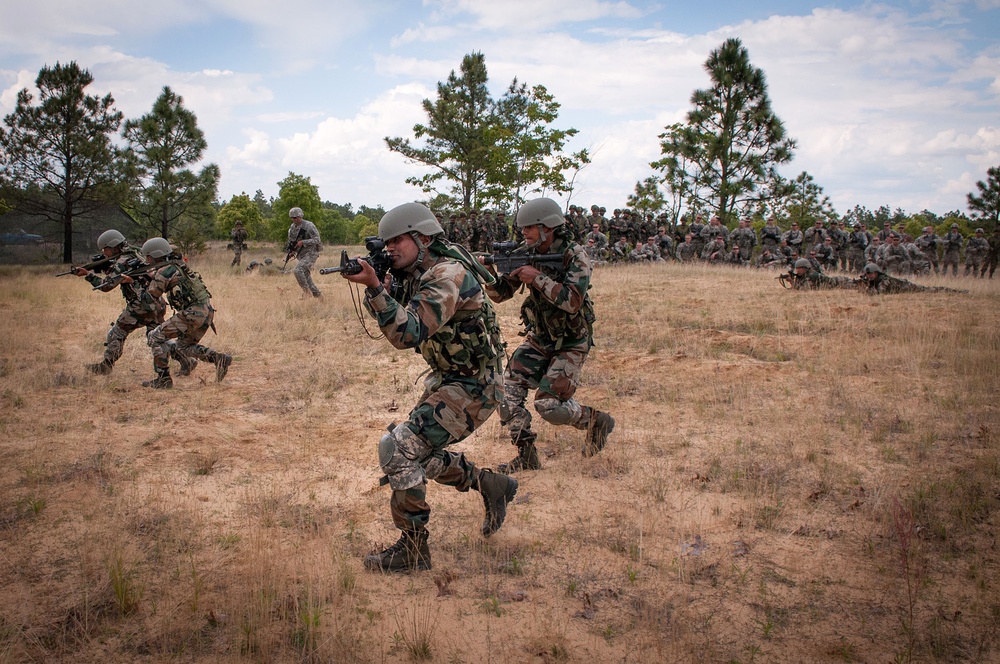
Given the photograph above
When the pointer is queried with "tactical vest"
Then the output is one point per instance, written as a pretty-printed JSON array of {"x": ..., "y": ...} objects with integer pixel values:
[
  {"x": 555, "y": 326},
  {"x": 189, "y": 291}
]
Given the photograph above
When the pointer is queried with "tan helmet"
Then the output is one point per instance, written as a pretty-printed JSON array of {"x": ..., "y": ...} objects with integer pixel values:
[
  {"x": 110, "y": 238},
  {"x": 872, "y": 268},
  {"x": 157, "y": 247},
  {"x": 803, "y": 262},
  {"x": 295, "y": 212},
  {"x": 408, "y": 218},
  {"x": 544, "y": 211}
]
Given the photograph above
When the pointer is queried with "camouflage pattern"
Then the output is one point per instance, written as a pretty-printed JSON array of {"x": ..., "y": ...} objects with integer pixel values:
[
  {"x": 744, "y": 238},
  {"x": 193, "y": 315},
  {"x": 814, "y": 280},
  {"x": 794, "y": 238},
  {"x": 307, "y": 255},
  {"x": 975, "y": 253},
  {"x": 239, "y": 237},
  {"x": 715, "y": 252},
  {"x": 952, "y": 242},
  {"x": 990, "y": 263},
  {"x": 686, "y": 251},
  {"x": 883, "y": 284},
  {"x": 928, "y": 244},
  {"x": 438, "y": 308},
  {"x": 770, "y": 235},
  {"x": 814, "y": 235}
]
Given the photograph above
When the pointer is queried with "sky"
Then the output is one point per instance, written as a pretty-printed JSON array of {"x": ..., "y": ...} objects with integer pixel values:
[{"x": 894, "y": 103}]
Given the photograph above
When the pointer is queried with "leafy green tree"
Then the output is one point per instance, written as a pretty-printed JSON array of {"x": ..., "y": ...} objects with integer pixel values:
[
  {"x": 162, "y": 146},
  {"x": 240, "y": 208},
  {"x": 57, "y": 157},
  {"x": 455, "y": 145},
  {"x": 647, "y": 196},
  {"x": 526, "y": 152},
  {"x": 986, "y": 205},
  {"x": 805, "y": 203},
  {"x": 263, "y": 204},
  {"x": 294, "y": 191},
  {"x": 732, "y": 143}
]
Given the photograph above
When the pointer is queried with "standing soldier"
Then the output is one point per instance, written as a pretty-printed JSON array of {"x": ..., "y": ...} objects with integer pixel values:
[
  {"x": 695, "y": 230},
  {"x": 928, "y": 245},
  {"x": 840, "y": 236},
  {"x": 857, "y": 242},
  {"x": 992, "y": 254},
  {"x": 744, "y": 238},
  {"x": 443, "y": 314},
  {"x": 141, "y": 308},
  {"x": 793, "y": 236},
  {"x": 814, "y": 235},
  {"x": 975, "y": 253},
  {"x": 558, "y": 317},
  {"x": 952, "y": 241},
  {"x": 193, "y": 314},
  {"x": 305, "y": 245},
  {"x": 239, "y": 238},
  {"x": 770, "y": 235}
]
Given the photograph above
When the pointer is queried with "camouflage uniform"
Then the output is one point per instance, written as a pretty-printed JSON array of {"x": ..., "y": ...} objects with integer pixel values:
[
  {"x": 883, "y": 284},
  {"x": 770, "y": 235},
  {"x": 793, "y": 237},
  {"x": 715, "y": 252},
  {"x": 558, "y": 318},
  {"x": 975, "y": 253},
  {"x": 744, "y": 238},
  {"x": 857, "y": 242},
  {"x": 686, "y": 250},
  {"x": 952, "y": 242},
  {"x": 814, "y": 280},
  {"x": 141, "y": 308},
  {"x": 994, "y": 252},
  {"x": 239, "y": 237},
  {"x": 928, "y": 244},
  {"x": 840, "y": 238},
  {"x": 193, "y": 316},
  {"x": 306, "y": 256},
  {"x": 814, "y": 235}
]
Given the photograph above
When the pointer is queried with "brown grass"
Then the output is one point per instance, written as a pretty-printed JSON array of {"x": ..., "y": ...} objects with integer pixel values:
[{"x": 794, "y": 477}]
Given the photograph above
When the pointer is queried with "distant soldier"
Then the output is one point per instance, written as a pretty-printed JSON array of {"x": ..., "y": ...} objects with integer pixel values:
[
  {"x": 857, "y": 242},
  {"x": 714, "y": 230},
  {"x": 875, "y": 281},
  {"x": 665, "y": 243},
  {"x": 770, "y": 235},
  {"x": 652, "y": 250},
  {"x": 952, "y": 243},
  {"x": 599, "y": 238},
  {"x": 785, "y": 252},
  {"x": 894, "y": 257},
  {"x": 734, "y": 257},
  {"x": 193, "y": 314},
  {"x": 814, "y": 235},
  {"x": 918, "y": 261},
  {"x": 686, "y": 251},
  {"x": 715, "y": 251},
  {"x": 883, "y": 235},
  {"x": 803, "y": 276},
  {"x": 770, "y": 260},
  {"x": 793, "y": 237},
  {"x": 928, "y": 244},
  {"x": 993, "y": 253},
  {"x": 304, "y": 243},
  {"x": 840, "y": 237},
  {"x": 826, "y": 254},
  {"x": 239, "y": 237},
  {"x": 873, "y": 253},
  {"x": 620, "y": 250},
  {"x": 695, "y": 229},
  {"x": 745, "y": 239},
  {"x": 975, "y": 253}
]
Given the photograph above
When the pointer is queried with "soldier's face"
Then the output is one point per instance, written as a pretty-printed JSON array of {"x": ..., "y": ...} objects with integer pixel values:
[{"x": 402, "y": 250}]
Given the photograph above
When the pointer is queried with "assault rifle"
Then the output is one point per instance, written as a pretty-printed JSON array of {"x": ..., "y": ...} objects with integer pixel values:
[
  {"x": 377, "y": 258},
  {"x": 291, "y": 251},
  {"x": 506, "y": 260},
  {"x": 136, "y": 267},
  {"x": 787, "y": 279},
  {"x": 98, "y": 263}
]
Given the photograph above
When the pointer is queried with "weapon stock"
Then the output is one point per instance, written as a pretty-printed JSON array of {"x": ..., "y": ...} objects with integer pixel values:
[{"x": 98, "y": 262}]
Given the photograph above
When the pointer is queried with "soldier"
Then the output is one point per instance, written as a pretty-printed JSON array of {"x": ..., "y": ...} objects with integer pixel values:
[
  {"x": 826, "y": 254},
  {"x": 652, "y": 250},
  {"x": 744, "y": 238},
  {"x": 685, "y": 252},
  {"x": 695, "y": 230},
  {"x": 992, "y": 254},
  {"x": 303, "y": 240},
  {"x": 193, "y": 314},
  {"x": 873, "y": 252},
  {"x": 141, "y": 308},
  {"x": 268, "y": 268},
  {"x": 857, "y": 242},
  {"x": 734, "y": 257},
  {"x": 438, "y": 308},
  {"x": 883, "y": 235},
  {"x": 952, "y": 243},
  {"x": 803, "y": 276},
  {"x": 620, "y": 250},
  {"x": 715, "y": 252},
  {"x": 239, "y": 237},
  {"x": 599, "y": 238},
  {"x": 875, "y": 281},
  {"x": 928, "y": 244},
  {"x": 975, "y": 252},
  {"x": 840, "y": 237},
  {"x": 770, "y": 234},
  {"x": 786, "y": 252},
  {"x": 665, "y": 243},
  {"x": 558, "y": 317},
  {"x": 714, "y": 230},
  {"x": 793, "y": 237},
  {"x": 814, "y": 235},
  {"x": 769, "y": 259}
]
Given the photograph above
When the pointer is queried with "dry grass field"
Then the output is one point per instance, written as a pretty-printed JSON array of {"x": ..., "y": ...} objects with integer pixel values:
[{"x": 795, "y": 477}]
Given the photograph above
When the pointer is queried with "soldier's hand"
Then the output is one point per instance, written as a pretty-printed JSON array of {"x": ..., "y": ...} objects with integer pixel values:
[
  {"x": 298, "y": 245},
  {"x": 526, "y": 273},
  {"x": 127, "y": 279},
  {"x": 80, "y": 272},
  {"x": 366, "y": 277}
]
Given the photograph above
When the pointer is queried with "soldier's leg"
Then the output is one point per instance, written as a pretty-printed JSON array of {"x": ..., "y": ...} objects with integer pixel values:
[
  {"x": 303, "y": 275},
  {"x": 159, "y": 341},
  {"x": 114, "y": 345},
  {"x": 525, "y": 369},
  {"x": 555, "y": 403},
  {"x": 196, "y": 325}
]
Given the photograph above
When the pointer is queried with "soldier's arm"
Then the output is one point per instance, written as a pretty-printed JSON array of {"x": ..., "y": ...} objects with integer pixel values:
[
  {"x": 312, "y": 238},
  {"x": 433, "y": 305},
  {"x": 568, "y": 292}
]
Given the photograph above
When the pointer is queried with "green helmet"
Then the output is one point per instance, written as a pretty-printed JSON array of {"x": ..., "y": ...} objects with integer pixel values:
[
  {"x": 110, "y": 238},
  {"x": 803, "y": 262},
  {"x": 872, "y": 268},
  {"x": 157, "y": 247},
  {"x": 544, "y": 211},
  {"x": 408, "y": 218}
]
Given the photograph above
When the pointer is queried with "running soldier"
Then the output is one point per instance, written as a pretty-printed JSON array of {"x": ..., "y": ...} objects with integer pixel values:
[
  {"x": 436, "y": 306},
  {"x": 305, "y": 244},
  {"x": 193, "y": 314},
  {"x": 239, "y": 237},
  {"x": 558, "y": 317}
]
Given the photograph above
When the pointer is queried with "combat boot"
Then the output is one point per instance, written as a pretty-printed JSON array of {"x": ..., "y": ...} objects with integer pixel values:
[
  {"x": 601, "y": 424},
  {"x": 526, "y": 459},
  {"x": 409, "y": 553},
  {"x": 102, "y": 368},
  {"x": 497, "y": 490},
  {"x": 161, "y": 382},
  {"x": 222, "y": 362},
  {"x": 188, "y": 364}
]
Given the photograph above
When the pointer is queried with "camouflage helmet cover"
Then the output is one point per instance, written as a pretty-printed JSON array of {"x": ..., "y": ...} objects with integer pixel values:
[{"x": 295, "y": 212}]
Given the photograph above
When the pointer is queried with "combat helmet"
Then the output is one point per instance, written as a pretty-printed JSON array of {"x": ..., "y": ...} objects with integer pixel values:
[
  {"x": 872, "y": 268},
  {"x": 803, "y": 262},
  {"x": 110, "y": 238},
  {"x": 408, "y": 218},
  {"x": 544, "y": 211},
  {"x": 157, "y": 247},
  {"x": 295, "y": 212}
]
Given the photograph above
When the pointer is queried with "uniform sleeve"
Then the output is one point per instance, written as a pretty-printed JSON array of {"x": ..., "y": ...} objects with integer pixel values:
[
  {"x": 434, "y": 304},
  {"x": 312, "y": 238},
  {"x": 163, "y": 280},
  {"x": 569, "y": 291}
]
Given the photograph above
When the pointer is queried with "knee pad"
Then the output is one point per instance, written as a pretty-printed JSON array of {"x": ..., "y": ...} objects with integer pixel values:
[
  {"x": 558, "y": 412},
  {"x": 395, "y": 449},
  {"x": 155, "y": 337}
]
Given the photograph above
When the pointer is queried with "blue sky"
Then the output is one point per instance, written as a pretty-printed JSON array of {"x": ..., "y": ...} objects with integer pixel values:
[{"x": 894, "y": 103}]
